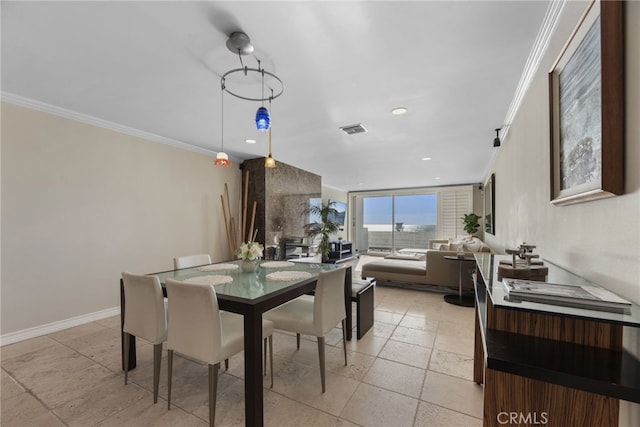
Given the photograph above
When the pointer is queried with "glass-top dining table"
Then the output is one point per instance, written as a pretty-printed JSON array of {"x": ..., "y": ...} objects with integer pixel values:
[{"x": 251, "y": 294}]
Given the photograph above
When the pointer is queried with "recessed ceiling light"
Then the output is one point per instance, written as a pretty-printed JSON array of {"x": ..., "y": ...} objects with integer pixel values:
[
  {"x": 426, "y": 158},
  {"x": 437, "y": 177},
  {"x": 398, "y": 111},
  {"x": 250, "y": 141}
]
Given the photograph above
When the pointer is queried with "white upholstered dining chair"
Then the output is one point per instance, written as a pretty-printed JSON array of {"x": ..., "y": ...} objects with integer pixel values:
[
  {"x": 145, "y": 316},
  {"x": 200, "y": 330},
  {"x": 316, "y": 315},
  {"x": 191, "y": 261}
]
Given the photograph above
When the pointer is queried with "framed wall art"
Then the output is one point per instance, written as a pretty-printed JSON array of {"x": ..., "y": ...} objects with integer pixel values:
[
  {"x": 490, "y": 205},
  {"x": 586, "y": 91}
]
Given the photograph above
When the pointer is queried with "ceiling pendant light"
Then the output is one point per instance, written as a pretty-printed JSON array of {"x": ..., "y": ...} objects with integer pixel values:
[
  {"x": 269, "y": 161},
  {"x": 221, "y": 158},
  {"x": 263, "y": 121},
  {"x": 240, "y": 44}
]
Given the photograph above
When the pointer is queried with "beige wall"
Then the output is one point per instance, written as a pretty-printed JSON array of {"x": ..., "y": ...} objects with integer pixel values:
[
  {"x": 599, "y": 240},
  {"x": 80, "y": 204}
]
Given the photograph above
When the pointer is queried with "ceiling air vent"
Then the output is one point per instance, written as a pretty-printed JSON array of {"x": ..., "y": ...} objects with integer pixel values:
[{"x": 353, "y": 129}]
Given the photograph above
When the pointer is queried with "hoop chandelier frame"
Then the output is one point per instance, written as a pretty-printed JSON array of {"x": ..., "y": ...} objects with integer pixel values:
[{"x": 246, "y": 70}]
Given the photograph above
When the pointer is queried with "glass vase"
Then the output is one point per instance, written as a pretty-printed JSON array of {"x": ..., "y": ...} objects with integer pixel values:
[{"x": 249, "y": 265}]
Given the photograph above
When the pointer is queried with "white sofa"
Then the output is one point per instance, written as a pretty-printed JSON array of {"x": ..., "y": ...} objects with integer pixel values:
[{"x": 432, "y": 269}]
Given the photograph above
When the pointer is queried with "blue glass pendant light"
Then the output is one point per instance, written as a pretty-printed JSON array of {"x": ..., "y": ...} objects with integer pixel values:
[{"x": 263, "y": 121}]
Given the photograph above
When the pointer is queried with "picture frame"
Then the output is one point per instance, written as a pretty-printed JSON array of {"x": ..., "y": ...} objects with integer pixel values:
[
  {"x": 490, "y": 205},
  {"x": 586, "y": 97}
]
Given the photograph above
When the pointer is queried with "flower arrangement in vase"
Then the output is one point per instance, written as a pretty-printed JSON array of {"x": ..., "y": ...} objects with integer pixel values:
[{"x": 249, "y": 253}]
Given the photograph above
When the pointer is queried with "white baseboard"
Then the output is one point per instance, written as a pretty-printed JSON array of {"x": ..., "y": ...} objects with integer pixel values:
[{"x": 38, "y": 331}]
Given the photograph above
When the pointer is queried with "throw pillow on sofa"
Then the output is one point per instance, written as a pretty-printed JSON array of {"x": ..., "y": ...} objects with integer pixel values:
[
  {"x": 472, "y": 245},
  {"x": 457, "y": 247}
]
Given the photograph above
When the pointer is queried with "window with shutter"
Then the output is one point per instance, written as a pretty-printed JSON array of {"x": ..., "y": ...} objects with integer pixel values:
[
  {"x": 384, "y": 220},
  {"x": 454, "y": 203}
]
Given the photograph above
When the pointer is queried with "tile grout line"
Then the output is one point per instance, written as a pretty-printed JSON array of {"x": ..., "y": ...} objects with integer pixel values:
[
  {"x": 30, "y": 392},
  {"x": 118, "y": 373}
]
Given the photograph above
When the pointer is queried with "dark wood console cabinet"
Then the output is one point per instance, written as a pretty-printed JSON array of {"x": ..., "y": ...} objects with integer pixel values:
[
  {"x": 550, "y": 364},
  {"x": 340, "y": 250}
]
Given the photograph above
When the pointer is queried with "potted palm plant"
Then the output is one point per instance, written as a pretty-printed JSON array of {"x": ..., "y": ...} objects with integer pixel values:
[{"x": 324, "y": 228}]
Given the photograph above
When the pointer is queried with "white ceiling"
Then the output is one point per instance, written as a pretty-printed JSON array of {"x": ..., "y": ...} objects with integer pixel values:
[{"x": 156, "y": 67}]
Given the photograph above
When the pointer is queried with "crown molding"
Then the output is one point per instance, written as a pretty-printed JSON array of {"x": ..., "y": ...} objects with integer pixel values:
[
  {"x": 534, "y": 60},
  {"x": 94, "y": 121}
]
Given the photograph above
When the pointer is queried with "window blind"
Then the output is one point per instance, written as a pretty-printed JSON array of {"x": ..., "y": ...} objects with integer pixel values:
[{"x": 453, "y": 204}]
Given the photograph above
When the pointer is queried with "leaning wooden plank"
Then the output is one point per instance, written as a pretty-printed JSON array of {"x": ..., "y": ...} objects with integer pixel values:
[
  {"x": 226, "y": 227},
  {"x": 246, "y": 201},
  {"x": 253, "y": 219}
]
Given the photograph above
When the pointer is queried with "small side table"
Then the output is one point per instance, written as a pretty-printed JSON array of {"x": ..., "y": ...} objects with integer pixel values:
[{"x": 460, "y": 298}]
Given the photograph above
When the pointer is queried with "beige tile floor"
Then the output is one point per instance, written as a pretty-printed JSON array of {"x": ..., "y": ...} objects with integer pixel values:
[{"x": 414, "y": 368}]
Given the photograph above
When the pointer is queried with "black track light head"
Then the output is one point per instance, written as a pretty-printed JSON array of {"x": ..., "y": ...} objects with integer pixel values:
[{"x": 496, "y": 140}]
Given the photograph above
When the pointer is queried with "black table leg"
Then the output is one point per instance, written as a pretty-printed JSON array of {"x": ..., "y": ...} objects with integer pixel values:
[
  {"x": 253, "y": 405},
  {"x": 132, "y": 339},
  {"x": 347, "y": 303},
  {"x": 460, "y": 299}
]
